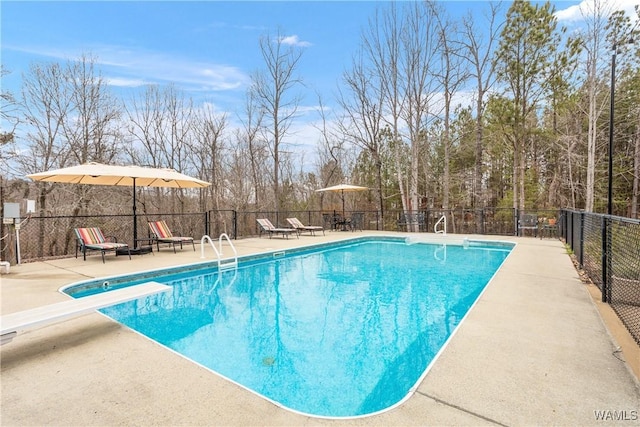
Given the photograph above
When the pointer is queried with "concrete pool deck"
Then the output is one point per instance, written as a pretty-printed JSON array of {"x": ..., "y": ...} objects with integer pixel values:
[{"x": 537, "y": 349}]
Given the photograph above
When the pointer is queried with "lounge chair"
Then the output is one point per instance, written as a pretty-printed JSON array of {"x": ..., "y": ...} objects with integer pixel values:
[
  {"x": 267, "y": 227},
  {"x": 161, "y": 233},
  {"x": 295, "y": 223},
  {"x": 93, "y": 239}
]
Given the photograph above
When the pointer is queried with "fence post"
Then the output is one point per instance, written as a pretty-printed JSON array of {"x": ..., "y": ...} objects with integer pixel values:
[
  {"x": 207, "y": 217},
  {"x": 234, "y": 217},
  {"x": 581, "y": 239},
  {"x": 516, "y": 213},
  {"x": 606, "y": 262}
]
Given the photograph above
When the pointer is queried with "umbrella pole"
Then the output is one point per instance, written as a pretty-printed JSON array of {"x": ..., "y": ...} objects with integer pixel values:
[{"x": 135, "y": 220}]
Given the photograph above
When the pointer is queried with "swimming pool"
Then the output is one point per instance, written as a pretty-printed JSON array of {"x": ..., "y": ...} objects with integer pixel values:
[{"x": 337, "y": 330}]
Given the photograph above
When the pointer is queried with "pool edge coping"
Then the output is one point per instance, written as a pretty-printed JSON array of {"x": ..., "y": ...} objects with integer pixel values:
[{"x": 456, "y": 240}]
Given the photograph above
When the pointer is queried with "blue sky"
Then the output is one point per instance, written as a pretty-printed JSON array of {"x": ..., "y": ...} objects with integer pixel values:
[{"x": 209, "y": 49}]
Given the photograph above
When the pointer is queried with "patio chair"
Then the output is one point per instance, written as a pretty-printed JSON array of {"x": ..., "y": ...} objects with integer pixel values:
[
  {"x": 402, "y": 222},
  {"x": 298, "y": 225},
  {"x": 161, "y": 233},
  {"x": 341, "y": 222},
  {"x": 327, "y": 220},
  {"x": 528, "y": 222},
  {"x": 411, "y": 222},
  {"x": 357, "y": 221},
  {"x": 267, "y": 227},
  {"x": 92, "y": 238},
  {"x": 549, "y": 227}
]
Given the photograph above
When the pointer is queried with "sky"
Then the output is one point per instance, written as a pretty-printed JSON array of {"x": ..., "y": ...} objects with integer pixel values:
[{"x": 208, "y": 49}]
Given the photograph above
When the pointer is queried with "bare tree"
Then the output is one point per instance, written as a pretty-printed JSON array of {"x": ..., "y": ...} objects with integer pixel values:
[
  {"x": 595, "y": 15},
  {"x": 93, "y": 129},
  {"x": 331, "y": 155},
  {"x": 273, "y": 88},
  {"x": 250, "y": 157},
  {"x": 451, "y": 77},
  {"x": 160, "y": 128},
  {"x": 144, "y": 111},
  {"x": 420, "y": 43},
  {"x": 207, "y": 154},
  {"x": 361, "y": 102},
  {"x": 46, "y": 102},
  {"x": 8, "y": 113},
  {"x": 382, "y": 47},
  {"x": 399, "y": 48},
  {"x": 479, "y": 53}
]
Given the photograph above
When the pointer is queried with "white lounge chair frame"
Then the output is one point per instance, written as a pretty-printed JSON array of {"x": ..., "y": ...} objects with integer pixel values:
[
  {"x": 267, "y": 227},
  {"x": 298, "y": 225}
]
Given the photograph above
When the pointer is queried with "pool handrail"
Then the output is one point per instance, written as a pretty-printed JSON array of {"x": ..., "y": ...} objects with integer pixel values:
[
  {"x": 443, "y": 219},
  {"x": 229, "y": 262}
]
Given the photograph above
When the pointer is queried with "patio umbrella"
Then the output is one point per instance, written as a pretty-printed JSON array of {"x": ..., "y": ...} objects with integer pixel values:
[
  {"x": 130, "y": 176},
  {"x": 342, "y": 188}
]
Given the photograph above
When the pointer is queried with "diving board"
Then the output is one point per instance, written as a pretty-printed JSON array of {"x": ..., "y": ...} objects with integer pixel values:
[{"x": 10, "y": 324}]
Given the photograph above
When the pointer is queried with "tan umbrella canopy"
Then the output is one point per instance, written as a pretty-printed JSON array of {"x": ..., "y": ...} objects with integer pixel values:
[
  {"x": 130, "y": 176},
  {"x": 342, "y": 188}
]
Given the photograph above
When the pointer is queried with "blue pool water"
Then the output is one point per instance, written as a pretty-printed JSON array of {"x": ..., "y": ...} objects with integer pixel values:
[{"x": 342, "y": 330}]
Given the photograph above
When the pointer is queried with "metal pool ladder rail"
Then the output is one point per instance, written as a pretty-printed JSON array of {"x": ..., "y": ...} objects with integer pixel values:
[
  {"x": 442, "y": 219},
  {"x": 222, "y": 263}
]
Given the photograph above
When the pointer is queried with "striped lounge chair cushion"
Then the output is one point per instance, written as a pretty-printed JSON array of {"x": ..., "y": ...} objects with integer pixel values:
[
  {"x": 163, "y": 233},
  {"x": 92, "y": 237}
]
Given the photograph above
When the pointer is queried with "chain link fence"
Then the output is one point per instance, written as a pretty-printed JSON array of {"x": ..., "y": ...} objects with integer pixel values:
[
  {"x": 49, "y": 237},
  {"x": 608, "y": 249},
  {"x": 41, "y": 238}
]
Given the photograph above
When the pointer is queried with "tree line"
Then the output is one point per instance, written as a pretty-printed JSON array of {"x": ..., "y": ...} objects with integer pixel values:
[{"x": 494, "y": 109}]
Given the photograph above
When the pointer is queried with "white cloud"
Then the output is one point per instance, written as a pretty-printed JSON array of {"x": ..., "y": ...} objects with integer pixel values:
[
  {"x": 164, "y": 68},
  {"x": 586, "y": 8},
  {"x": 123, "y": 82},
  {"x": 570, "y": 14},
  {"x": 129, "y": 67},
  {"x": 294, "y": 41}
]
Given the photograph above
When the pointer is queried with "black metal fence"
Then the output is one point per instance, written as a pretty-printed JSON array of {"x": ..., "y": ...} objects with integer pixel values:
[
  {"x": 608, "y": 249},
  {"x": 494, "y": 221},
  {"x": 53, "y": 237}
]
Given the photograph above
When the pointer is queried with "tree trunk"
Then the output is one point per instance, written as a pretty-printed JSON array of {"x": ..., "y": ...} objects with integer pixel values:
[{"x": 636, "y": 174}]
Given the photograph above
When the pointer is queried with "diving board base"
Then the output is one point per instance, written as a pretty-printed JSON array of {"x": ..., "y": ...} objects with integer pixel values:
[
  {"x": 5, "y": 338},
  {"x": 10, "y": 324}
]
